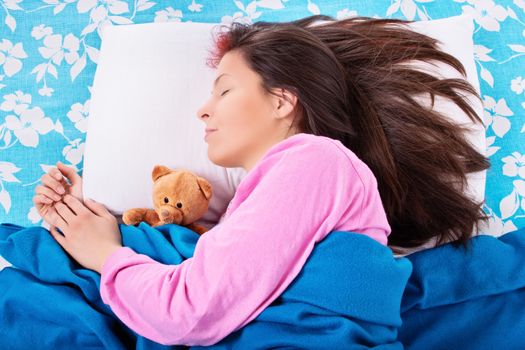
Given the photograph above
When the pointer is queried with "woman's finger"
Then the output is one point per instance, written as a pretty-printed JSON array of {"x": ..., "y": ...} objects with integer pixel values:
[
  {"x": 53, "y": 184},
  {"x": 65, "y": 212},
  {"x": 54, "y": 218},
  {"x": 77, "y": 206},
  {"x": 57, "y": 236},
  {"x": 47, "y": 192},
  {"x": 40, "y": 199},
  {"x": 42, "y": 208},
  {"x": 70, "y": 173},
  {"x": 56, "y": 174},
  {"x": 96, "y": 207}
]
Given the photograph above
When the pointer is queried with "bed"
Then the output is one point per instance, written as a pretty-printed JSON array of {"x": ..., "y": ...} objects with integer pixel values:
[{"x": 49, "y": 52}]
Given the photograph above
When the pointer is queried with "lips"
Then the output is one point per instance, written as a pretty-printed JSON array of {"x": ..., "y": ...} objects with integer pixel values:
[{"x": 208, "y": 131}]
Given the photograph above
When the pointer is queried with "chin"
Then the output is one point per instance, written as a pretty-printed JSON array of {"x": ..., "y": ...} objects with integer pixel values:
[
  {"x": 214, "y": 159},
  {"x": 221, "y": 161}
]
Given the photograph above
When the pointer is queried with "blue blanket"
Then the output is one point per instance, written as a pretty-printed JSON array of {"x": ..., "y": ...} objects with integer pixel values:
[{"x": 351, "y": 294}]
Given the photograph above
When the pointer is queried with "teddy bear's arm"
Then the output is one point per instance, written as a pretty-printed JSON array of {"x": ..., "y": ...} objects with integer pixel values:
[
  {"x": 136, "y": 215},
  {"x": 199, "y": 229}
]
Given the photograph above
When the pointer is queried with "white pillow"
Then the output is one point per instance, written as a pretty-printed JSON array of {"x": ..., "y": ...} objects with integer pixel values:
[{"x": 150, "y": 80}]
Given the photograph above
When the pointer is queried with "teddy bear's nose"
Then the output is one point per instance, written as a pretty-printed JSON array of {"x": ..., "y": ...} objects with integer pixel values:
[{"x": 165, "y": 213}]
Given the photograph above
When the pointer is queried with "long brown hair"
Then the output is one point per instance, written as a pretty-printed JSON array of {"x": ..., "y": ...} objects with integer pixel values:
[{"x": 351, "y": 86}]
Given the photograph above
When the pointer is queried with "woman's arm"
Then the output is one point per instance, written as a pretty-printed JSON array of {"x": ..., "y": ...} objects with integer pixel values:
[{"x": 286, "y": 204}]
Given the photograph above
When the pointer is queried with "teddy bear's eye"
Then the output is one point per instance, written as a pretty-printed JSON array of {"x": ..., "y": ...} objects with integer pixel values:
[
  {"x": 179, "y": 205},
  {"x": 166, "y": 200}
]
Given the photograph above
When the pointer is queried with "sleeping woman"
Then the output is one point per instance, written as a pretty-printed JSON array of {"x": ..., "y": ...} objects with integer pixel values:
[{"x": 322, "y": 117}]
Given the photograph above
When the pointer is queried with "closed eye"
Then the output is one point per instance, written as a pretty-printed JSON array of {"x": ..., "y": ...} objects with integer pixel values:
[{"x": 224, "y": 92}]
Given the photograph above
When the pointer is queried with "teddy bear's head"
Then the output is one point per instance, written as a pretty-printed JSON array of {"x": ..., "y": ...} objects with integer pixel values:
[{"x": 179, "y": 196}]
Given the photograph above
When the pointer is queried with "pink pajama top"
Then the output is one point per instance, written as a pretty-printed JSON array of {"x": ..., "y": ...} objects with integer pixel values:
[{"x": 301, "y": 189}]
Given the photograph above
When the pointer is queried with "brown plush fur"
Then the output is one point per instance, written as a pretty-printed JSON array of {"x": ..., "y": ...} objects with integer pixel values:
[{"x": 179, "y": 196}]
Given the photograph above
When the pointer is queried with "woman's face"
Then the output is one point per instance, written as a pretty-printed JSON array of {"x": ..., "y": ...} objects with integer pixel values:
[{"x": 247, "y": 120}]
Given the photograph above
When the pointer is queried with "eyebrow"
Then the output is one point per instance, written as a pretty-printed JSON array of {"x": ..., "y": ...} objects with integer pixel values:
[{"x": 218, "y": 78}]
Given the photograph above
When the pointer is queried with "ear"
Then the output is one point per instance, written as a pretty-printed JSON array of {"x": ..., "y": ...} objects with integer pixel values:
[
  {"x": 205, "y": 187},
  {"x": 284, "y": 103},
  {"x": 158, "y": 171}
]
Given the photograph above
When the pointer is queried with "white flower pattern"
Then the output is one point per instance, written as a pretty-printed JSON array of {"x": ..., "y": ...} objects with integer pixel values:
[
  {"x": 10, "y": 57},
  {"x": 28, "y": 125},
  {"x": 168, "y": 15},
  {"x": 496, "y": 114},
  {"x": 486, "y": 13},
  {"x": 514, "y": 165},
  {"x": 56, "y": 49},
  {"x": 79, "y": 115},
  {"x": 517, "y": 85}
]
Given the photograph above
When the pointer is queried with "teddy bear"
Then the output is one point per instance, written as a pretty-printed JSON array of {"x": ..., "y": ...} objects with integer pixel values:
[{"x": 179, "y": 196}]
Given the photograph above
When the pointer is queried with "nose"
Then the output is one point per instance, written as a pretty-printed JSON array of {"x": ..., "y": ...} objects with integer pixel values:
[{"x": 202, "y": 112}]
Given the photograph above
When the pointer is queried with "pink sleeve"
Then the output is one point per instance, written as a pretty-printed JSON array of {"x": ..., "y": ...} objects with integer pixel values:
[{"x": 288, "y": 202}]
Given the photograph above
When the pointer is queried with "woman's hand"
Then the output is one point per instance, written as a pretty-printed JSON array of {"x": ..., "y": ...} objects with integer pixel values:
[
  {"x": 54, "y": 186},
  {"x": 91, "y": 232}
]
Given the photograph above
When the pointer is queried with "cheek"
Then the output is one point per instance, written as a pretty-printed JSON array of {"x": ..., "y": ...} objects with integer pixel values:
[
  {"x": 232, "y": 117},
  {"x": 246, "y": 114}
]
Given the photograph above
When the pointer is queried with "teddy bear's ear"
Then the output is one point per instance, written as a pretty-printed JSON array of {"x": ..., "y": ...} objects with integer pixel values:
[
  {"x": 158, "y": 171},
  {"x": 205, "y": 187}
]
